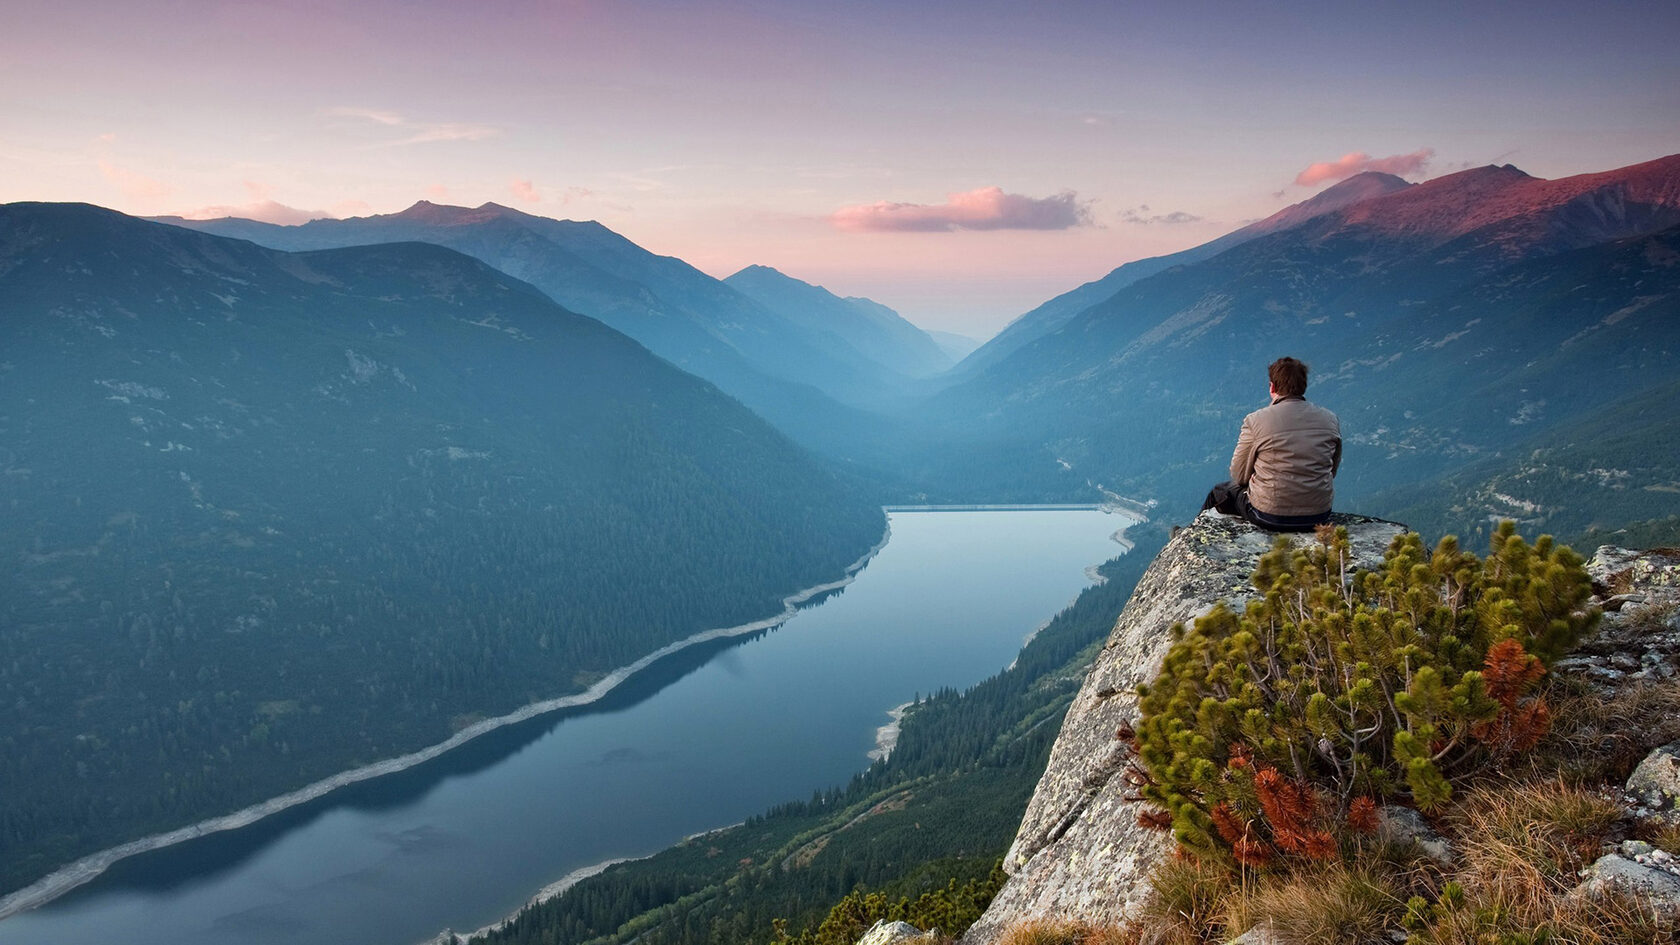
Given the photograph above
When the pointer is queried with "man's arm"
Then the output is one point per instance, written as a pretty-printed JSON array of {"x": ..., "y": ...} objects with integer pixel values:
[
  {"x": 1336, "y": 458},
  {"x": 1242, "y": 461}
]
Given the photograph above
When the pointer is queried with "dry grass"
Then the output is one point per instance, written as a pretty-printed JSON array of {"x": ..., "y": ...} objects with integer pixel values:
[
  {"x": 1613, "y": 919},
  {"x": 1663, "y": 836},
  {"x": 1187, "y": 902},
  {"x": 1598, "y": 739},
  {"x": 1053, "y": 932},
  {"x": 1523, "y": 845},
  {"x": 1334, "y": 905}
]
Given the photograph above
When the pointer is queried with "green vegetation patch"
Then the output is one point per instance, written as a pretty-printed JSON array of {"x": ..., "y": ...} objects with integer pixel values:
[{"x": 1340, "y": 690}]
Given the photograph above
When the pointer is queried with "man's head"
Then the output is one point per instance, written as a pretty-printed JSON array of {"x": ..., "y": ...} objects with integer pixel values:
[{"x": 1289, "y": 377}]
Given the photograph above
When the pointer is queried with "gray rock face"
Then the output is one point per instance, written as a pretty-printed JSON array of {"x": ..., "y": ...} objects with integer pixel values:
[
  {"x": 1080, "y": 851},
  {"x": 1639, "y": 638}
]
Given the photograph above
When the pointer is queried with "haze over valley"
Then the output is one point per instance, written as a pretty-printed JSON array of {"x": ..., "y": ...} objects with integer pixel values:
[{"x": 552, "y": 386}]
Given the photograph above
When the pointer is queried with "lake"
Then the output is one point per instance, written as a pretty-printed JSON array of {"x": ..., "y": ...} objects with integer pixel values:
[{"x": 704, "y": 738}]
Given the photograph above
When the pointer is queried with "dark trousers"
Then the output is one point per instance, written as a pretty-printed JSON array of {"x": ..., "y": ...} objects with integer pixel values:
[{"x": 1230, "y": 499}]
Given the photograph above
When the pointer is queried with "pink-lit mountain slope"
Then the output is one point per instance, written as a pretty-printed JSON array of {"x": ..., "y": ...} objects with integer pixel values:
[{"x": 1520, "y": 215}]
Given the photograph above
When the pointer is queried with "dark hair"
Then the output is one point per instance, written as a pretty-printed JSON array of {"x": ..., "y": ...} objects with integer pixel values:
[{"x": 1289, "y": 377}]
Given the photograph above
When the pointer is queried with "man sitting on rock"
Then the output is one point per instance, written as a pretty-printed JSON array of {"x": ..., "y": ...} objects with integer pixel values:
[{"x": 1284, "y": 469}]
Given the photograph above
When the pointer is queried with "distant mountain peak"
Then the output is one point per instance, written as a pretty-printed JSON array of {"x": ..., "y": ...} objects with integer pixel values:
[
  {"x": 1359, "y": 188},
  {"x": 424, "y": 211}
]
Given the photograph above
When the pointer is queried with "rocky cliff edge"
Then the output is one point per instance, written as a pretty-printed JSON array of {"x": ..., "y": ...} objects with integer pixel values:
[{"x": 1080, "y": 853}]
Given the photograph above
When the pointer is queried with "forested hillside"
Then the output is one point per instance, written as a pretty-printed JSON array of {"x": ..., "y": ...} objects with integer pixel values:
[{"x": 268, "y": 516}]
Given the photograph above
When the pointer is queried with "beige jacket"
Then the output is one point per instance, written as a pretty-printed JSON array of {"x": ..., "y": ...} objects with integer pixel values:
[{"x": 1287, "y": 455}]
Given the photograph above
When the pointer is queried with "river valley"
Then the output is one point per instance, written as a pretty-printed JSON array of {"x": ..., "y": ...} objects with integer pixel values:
[{"x": 701, "y": 739}]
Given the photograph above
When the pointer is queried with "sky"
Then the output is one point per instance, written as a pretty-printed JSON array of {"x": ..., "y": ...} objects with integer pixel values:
[{"x": 961, "y": 162}]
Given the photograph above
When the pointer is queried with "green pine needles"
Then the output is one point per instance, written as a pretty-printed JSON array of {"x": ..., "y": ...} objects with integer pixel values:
[{"x": 1273, "y": 732}]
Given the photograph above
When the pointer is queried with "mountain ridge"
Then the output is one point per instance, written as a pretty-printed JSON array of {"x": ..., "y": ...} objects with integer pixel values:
[
  {"x": 812, "y": 388},
  {"x": 390, "y": 487}
]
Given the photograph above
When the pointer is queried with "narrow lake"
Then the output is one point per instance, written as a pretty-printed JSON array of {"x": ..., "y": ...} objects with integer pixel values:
[{"x": 702, "y": 739}]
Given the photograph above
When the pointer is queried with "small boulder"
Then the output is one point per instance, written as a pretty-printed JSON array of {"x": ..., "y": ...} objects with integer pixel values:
[
  {"x": 891, "y": 933},
  {"x": 1402, "y": 825},
  {"x": 1656, "y": 782},
  {"x": 1260, "y": 934},
  {"x": 1654, "y": 885}
]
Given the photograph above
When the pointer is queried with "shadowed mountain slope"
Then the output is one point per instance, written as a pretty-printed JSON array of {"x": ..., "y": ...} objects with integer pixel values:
[
  {"x": 269, "y": 515},
  {"x": 806, "y": 380}
]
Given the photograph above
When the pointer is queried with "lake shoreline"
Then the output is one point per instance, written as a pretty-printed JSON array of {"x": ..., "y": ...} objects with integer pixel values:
[
  {"x": 88, "y": 868},
  {"x": 886, "y": 736}
]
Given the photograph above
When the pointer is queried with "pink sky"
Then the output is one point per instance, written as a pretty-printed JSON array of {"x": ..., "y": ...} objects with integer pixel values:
[{"x": 958, "y": 162}]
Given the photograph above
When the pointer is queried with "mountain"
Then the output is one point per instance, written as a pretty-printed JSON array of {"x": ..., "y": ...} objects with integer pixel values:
[
  {"x": 807, "y": 381},
  {"x": 1061, "y": 309},
  {"x": 266, "y": 516},
  {"x": 871, "y": 328},
  {"x": 955, "y": 346},
  {"x": 1460, "y": 319}
]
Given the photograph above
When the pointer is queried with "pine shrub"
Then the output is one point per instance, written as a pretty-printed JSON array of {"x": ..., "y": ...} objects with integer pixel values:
[{"x": 1276, "y": 732}]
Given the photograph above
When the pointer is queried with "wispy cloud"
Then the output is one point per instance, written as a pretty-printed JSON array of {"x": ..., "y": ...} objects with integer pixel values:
[
  {"x": 524, "y": 191},
  {"x": 449, "y": 131},
  {"x": 1359, "y": 162},
  {"x": 1141, "y": 214},
  {"x": 260, "y": 207},
  {"x": 367, "y": 114},
  {"x": 988, "y": 208},
  {"x": 414, "y": 132},
  {"x": 265, "y": 211}
]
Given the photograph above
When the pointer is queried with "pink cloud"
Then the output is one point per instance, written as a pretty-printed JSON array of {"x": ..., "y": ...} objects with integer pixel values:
[
  {"x": 264, "y": 211},
  {"x": 988, "y": 208},
  {"x": 525, "y": 191},
  {"x": 1359, "y": 162}
]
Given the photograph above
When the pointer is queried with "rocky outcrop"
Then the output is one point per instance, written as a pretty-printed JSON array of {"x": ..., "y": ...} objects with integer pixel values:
[
  {"x": 1638, "y": 641},
  {"x": 1080, "y": 852}
]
